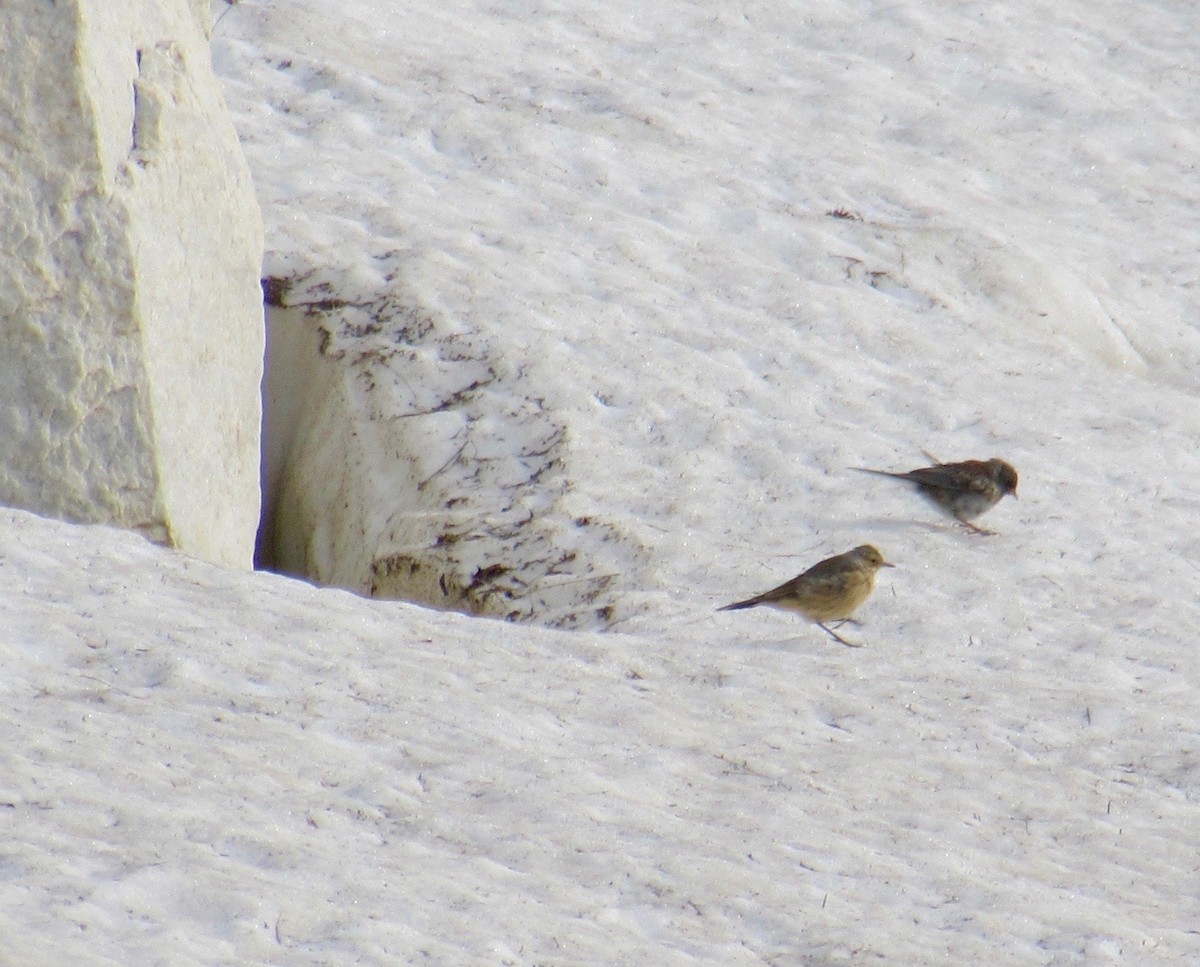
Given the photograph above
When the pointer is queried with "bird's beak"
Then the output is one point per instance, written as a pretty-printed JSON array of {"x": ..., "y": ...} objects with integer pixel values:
[{"x": 887, "y": 564}]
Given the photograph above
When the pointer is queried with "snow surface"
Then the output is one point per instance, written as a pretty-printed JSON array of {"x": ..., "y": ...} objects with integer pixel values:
[{"x": 737, "y": 251}]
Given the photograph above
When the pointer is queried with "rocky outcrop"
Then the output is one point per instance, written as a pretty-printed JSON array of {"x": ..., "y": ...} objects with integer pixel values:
[{"x": 131, "y": 330}]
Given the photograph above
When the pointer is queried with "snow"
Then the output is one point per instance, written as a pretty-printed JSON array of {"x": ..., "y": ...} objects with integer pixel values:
[{"x": 735, "y": 252}]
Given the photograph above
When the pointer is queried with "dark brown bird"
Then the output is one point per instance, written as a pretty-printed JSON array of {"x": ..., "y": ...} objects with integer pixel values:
[
  {"x": 963, "y": 490},
  {"x": 829, "y": 591}
]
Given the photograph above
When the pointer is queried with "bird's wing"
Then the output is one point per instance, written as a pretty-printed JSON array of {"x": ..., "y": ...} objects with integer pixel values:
[
  {"x": 827, "y": 576},
  {"x": 950, "y": 476}
]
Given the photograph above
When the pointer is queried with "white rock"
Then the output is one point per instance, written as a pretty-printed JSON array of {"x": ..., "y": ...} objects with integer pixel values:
[{"x": 131, "y": 332}]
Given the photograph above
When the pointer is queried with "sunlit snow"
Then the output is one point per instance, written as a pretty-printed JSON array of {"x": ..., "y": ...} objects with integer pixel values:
[{"x": 737, "y": 250}]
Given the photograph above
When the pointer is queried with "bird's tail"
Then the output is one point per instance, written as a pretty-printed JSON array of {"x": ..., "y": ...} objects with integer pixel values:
[{"x": 738, "y": 605}]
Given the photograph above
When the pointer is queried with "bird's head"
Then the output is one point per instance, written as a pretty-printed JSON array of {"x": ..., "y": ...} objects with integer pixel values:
[{"x": 1004, "y": 474}]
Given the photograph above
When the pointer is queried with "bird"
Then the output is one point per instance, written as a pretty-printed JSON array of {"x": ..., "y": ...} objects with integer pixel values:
[
  {"x": 963, "y": 490},
  {"x": 829, "y": 591}
]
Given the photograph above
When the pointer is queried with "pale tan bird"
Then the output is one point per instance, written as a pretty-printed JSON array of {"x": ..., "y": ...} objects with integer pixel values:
[{"x": 830, "y": 591}]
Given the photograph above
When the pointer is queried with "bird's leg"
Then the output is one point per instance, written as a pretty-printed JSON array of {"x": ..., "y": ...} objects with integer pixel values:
[
  {"x": 976, "y": 529},
  {"x": 836, "y": 637}
]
